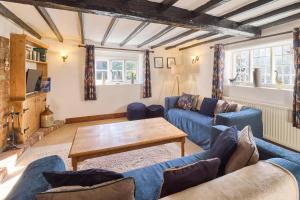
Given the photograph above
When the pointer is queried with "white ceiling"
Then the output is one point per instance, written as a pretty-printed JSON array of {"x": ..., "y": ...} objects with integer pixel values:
[{"x": 95, "y": 26}]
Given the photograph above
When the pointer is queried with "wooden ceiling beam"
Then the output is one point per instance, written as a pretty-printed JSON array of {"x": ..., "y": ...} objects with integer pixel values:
[
  {"x": 247, "y": 7},
  {"x": 182, "y": 35},
  {"x": 209, "y": 6},
  {"x": 282, "y": 21},
  {"x": 156, "y": 36},
  {"x": 192, "y": 39},
  {"x": 144, "y": 10},
  {"x": 10, "y": 15},
  {"x": 43, "y": 12},
  {"x": 288, "y": 8},
  {"x": 135, "y": 32},
  {"x": 109, "y": 30},
  {"x": 205, "y": 42},
  {"x": 81, "y": 24},
  {"x": 168, "y": 3}
]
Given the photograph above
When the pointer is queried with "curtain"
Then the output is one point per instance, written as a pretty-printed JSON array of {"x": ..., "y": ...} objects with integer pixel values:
[
  {"x": 296, "y": 102},
  {"x": 89, "y": 74},
  {"x": 147, "y": 78},
  {"x": 218, "y": 71}
]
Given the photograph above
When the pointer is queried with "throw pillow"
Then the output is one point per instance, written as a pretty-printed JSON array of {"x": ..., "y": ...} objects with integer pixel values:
[
  {"x": 178, "y": 179},
  {"x": 221, "y": 107},
  {"x": 122, "y": 189},
  {"x": 208, "y": 106},
  {"x": 246, "y": 152},
  {"x": 186, "y": 101},
  {"x": 199, "y": 102},
  {"x": 224, "y": 146},
  {"x": 82, "y": 178},
  {"x": 231, "y": 107}
]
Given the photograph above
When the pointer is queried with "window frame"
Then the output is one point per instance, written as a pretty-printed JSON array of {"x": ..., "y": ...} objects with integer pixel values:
[
  {"x": 273, "y": 66},
  {"x": 101, "y": 70}
]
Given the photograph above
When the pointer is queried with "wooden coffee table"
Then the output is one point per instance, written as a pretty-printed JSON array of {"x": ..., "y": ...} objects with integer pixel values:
[{"x": 101, "y": 140}]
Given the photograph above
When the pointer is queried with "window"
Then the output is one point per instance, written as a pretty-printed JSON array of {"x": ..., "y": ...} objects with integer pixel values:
[
  {"x": 116, "y": 71},
  {"x": 275, "y": 62}
]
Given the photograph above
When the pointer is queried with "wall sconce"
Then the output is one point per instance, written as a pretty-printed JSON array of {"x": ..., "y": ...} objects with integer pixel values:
[
  {"x": 64, "y": 56},
  {"x": 195, "y": 59}
]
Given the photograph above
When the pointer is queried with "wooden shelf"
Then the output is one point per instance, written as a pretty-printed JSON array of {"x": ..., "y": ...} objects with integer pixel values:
[{"x": 35, "y": 61}]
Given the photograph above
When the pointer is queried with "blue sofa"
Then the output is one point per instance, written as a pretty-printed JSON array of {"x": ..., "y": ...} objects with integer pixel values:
[
  {"x": 148, "y": 179},
  {"x": 199, "y": 127}
]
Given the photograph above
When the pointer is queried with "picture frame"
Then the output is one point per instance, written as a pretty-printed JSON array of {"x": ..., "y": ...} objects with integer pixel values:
[
  {"x": 158, "y": 62},
  {"x": 170, "y": 61}
]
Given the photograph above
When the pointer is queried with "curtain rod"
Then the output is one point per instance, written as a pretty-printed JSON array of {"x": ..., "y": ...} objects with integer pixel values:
[
  {"x": 109, "y": 48},
  {"x": 266, "y": 36}
]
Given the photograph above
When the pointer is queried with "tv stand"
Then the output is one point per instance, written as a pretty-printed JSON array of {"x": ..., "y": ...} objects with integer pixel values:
[{"x": 29, "y": 105}]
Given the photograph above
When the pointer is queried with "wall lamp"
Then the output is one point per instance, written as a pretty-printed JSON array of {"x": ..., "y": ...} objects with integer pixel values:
[
  {"x": 195, "y": 59},
  {"x": 64, "y": 56}
]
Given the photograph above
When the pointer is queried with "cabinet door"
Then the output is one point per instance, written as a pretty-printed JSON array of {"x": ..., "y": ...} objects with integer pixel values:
[
  {"x": 38, "y": 107},
  {"x": 25, "y": 120},
  {"x": 31, "y": 115}
]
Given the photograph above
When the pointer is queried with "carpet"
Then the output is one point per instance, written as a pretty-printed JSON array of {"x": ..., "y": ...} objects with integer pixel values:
[{"x": 120, "y": 162}]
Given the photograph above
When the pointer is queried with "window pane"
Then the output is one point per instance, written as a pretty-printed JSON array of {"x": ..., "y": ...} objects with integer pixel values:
[
  {"x": 131, "y": 70},
  {"x": 101, "y": 65},
  {"x": 242, "y": 66},
  {"x": 101, "y": 75},
  {"x": 117, "y": 65},
  {"x": 130, "y": 65}
]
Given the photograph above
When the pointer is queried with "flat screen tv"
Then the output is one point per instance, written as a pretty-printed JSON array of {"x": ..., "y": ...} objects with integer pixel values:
[{"x": 32, "y": 79}]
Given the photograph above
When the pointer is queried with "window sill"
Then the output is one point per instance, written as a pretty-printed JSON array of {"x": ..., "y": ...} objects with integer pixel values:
[
  {"x": 116, "y": 84},
  {"x": 263, "y": 87}
]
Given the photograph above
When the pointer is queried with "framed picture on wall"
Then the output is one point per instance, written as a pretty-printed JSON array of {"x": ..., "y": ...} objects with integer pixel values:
[
  {"x": 170, "y": 62},
  {"x": 158, "y": 62}
]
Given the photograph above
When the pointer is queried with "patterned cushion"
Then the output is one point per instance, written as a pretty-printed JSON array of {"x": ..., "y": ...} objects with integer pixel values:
[
  {"x": 181, "y": 178},
  {"x": 221, "y": 106},
  {"x": 120, "y": 189},
  {"x": 187, "y": 101},
  {"x": 246, "y": 152},
  {"x": 232, "y": 107}
]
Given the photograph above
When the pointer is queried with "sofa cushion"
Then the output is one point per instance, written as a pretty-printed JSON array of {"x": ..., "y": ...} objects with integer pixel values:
[
  {"x": 87, "y": 177},
  {"x": 152, "y": 176},
  {"x": 246, "y": 152},
  {"x": 122, "y": 189},
  {"x": 208, "y": 106},
  {"x": 187, "y": 101},
  {"x": 32, "y": 180},
  {"x": 197, "y": 126},
  {"x": 199, "y": 102},
  {"x": 221, "y": 107},
  {"x": 181, "y": 178},
  {"x": 224, "y": 146},
  {"x": 232, "y": 107}
]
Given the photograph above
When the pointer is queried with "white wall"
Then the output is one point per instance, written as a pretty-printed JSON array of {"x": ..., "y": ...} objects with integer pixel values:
[
  {"x": 198, "y": 78},
  {"x": 67, "y": 100}
]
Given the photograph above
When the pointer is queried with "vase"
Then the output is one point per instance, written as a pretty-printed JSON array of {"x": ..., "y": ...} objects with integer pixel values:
[{"x": 257, "y": 77}]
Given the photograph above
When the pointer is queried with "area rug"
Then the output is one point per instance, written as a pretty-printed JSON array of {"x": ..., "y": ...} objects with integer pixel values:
[{"x": 120, "y": 162}]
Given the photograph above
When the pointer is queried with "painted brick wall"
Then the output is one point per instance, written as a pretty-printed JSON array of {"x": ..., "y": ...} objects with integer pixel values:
[{"x": 4, "y": 88}]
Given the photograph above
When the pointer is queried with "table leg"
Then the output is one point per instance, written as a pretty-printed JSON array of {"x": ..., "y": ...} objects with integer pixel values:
[
  {"x": 74, "y": 164},
  {"x": 182, "y": 147}
]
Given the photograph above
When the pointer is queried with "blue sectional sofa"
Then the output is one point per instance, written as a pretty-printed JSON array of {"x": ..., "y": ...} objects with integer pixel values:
[
  {"x": 199, "y": 127},
  {"x": 148, "y": 179}
]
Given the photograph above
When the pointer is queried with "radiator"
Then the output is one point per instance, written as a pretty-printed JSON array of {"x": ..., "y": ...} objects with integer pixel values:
[{"x": 277, "y": 122}]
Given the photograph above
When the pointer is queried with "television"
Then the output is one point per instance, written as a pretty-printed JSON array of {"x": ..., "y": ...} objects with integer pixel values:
[{"x": 33, "y": 78}]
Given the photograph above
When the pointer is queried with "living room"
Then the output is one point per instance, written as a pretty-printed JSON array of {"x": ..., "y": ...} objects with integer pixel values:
[{"x": 132, "y": 99}]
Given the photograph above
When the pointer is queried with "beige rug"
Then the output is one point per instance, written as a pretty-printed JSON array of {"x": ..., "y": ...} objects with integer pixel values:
[{"x": 120, "y": 162}]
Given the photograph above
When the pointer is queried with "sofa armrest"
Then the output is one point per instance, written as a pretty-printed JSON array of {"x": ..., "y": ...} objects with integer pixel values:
[
  {"x": 248, "y": 116},
  {"x": 170, "y": 102},
  {"x": 215, "y": 132},
  {"x": 268, "y": 150}
]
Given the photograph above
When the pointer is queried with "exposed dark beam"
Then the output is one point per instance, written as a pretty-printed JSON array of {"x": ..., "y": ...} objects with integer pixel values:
[
  {"x": 282, "y": 21},
  {"x": 247, "y": 7},
  {"x": 209, "y": 6},
  {"x": 8, "y": 14},
  {"x": 43, "y": 12},
  {"x": 184, "y": 34},
  {"x": 134, "y": 33},
  {"x": 144, "y": 10},
  {"x": 81, "y": 23},
  {"x": 205, "y": 42},
  {"x": 189, "y": 40},
  {"x": 109, "y": 29},
  {"x": 158, "y": 35},
  {"x": 167, "y": 4},
  {"x": 289, "y": 8}
]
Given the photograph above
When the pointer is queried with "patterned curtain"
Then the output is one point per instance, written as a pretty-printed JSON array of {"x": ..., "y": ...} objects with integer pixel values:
[
  {"x": 147, "y": 78},
  {"x": 218, "y": 71},
  {"x": 296, "y": 103},
  {"x": 89, "y": 74}
]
